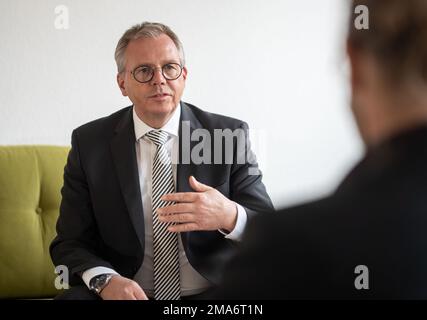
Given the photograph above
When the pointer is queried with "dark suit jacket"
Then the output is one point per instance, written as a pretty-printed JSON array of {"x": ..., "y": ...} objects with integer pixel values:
[
  {"x": 376, "y": 218},
  {"x": 101, "y": 215}
]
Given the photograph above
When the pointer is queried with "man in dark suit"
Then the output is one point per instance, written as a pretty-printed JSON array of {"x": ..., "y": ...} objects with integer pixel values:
[
  {"x": 368, "y": 240},
  {"x": 148, "y": 210}
]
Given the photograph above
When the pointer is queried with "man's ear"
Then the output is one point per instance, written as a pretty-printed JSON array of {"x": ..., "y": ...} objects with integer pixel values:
[
  {"x": 184, "y": 73},
  {"x": 121, "y": 83}
]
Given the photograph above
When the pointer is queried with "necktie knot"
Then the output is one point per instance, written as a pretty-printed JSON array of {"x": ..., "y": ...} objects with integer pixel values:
[{"x": 158, "y": 137}]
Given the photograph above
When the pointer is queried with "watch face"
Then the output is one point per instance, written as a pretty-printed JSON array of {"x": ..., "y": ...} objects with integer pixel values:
[{"x": 98, "y": 283}]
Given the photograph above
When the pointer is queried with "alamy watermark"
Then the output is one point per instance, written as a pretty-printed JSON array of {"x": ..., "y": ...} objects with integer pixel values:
[
  {"x": 62, "y": 17},
  {"x": 361, "y": 22},
  {"x": 219, "y": 146},
  {"x": 362, "y": 280},
  {"x": 62, "y": 278}
]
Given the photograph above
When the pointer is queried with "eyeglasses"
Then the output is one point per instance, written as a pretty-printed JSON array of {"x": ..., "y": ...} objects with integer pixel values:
[{"x": 170, "y": 71}]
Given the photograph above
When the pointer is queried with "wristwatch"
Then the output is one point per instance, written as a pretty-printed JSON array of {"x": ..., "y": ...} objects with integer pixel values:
[{"x": 99, "y": 282}]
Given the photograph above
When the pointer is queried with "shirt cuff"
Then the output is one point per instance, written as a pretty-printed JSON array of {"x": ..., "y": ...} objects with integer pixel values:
[
  {"x": 93, "y": 272},
  {"x": 237, "y": 233}
]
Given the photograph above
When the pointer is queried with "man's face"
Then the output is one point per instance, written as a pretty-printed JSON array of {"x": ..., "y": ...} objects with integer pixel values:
[{"x": 156, "y": 100}]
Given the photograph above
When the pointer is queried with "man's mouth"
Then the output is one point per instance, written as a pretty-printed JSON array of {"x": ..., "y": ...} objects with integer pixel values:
[{"x": 160, "y": 95}]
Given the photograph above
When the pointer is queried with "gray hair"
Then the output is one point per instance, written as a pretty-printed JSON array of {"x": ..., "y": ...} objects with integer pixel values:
[{"x": 145, "y": 30}]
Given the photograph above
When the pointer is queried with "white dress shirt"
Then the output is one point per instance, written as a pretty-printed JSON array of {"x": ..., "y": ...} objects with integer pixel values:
[{"x": 192, "y": 282}]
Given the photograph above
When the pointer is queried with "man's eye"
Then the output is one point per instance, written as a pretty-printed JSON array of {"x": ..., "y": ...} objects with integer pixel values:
[
  {"x": 145, "y": 70},
  {"x": 170, "y": 67}
]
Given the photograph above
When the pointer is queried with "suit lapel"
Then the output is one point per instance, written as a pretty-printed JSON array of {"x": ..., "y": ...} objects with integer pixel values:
[
  {"x": 124, "y": 158},
  {"x": 210, "y": 174},
  {"x": 184, "y": 170}
]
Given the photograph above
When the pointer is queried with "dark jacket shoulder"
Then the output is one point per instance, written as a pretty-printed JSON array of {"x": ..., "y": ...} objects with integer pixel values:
[
  {"x": 211, "y": 120},
  {"x": 105, "y": 125}
]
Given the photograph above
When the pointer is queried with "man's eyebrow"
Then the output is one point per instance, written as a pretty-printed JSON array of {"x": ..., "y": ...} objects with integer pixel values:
[{"x": 153, "y": 65}]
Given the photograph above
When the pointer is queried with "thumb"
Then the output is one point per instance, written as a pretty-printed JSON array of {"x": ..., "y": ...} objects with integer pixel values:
[{"x": 198, "y": 186}]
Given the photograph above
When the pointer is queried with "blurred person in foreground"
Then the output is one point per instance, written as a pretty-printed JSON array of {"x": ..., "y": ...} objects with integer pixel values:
[{"x": 368, "y": 240}]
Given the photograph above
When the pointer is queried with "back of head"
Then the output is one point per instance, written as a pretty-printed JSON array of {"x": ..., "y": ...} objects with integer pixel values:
[{"x": 396, "y": 37}]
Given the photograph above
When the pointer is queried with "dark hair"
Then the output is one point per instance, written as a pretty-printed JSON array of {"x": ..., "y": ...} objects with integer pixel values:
[{"x": 397, "y": 37}]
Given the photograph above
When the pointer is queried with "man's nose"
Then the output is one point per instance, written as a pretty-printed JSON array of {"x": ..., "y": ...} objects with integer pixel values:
[{"x": 158, "y": 77}]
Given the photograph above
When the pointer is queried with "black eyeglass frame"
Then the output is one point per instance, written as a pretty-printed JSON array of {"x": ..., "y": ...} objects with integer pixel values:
[{"x": 154, "y": 70}]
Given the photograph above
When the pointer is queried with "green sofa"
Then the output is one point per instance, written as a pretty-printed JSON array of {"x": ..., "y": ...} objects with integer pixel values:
[{"x": 31, "y": 178}]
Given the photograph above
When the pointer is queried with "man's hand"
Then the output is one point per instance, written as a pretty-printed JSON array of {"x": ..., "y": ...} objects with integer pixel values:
[
  {"x": 204, "y": 209},
  {"x": 120, "y": 288}
]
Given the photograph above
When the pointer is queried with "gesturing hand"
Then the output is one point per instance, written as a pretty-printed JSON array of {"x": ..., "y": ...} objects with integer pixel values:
[{"x": 204, "y": 209}]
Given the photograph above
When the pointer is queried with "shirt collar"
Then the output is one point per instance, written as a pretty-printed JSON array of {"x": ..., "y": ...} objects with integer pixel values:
[{"x": 171, "y": 127}]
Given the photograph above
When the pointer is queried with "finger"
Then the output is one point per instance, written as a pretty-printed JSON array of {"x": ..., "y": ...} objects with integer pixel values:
[
  {"x": 178, "y": 218},
  {"x": 175, "y": 208},
  {"x": 184, "y": 227},
  {"x": 180, "y": 197},
  {"x": 131, "y": 297},
  {"x": 140, "y": 294},
  {"x": 198, "y": 186}
]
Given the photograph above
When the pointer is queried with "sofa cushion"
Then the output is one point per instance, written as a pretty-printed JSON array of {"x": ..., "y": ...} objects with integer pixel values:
[{"x": 30, "y": 181}]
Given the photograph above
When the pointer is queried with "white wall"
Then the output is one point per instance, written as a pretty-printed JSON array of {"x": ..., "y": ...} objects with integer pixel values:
[{"x": 277, "y": 64}]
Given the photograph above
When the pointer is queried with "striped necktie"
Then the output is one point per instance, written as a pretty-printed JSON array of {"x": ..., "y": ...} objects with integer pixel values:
[{"x": 165, "y": 243}]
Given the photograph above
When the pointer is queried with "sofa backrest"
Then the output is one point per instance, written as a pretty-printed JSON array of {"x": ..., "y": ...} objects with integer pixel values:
[{"x": 31, "y": 178}]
